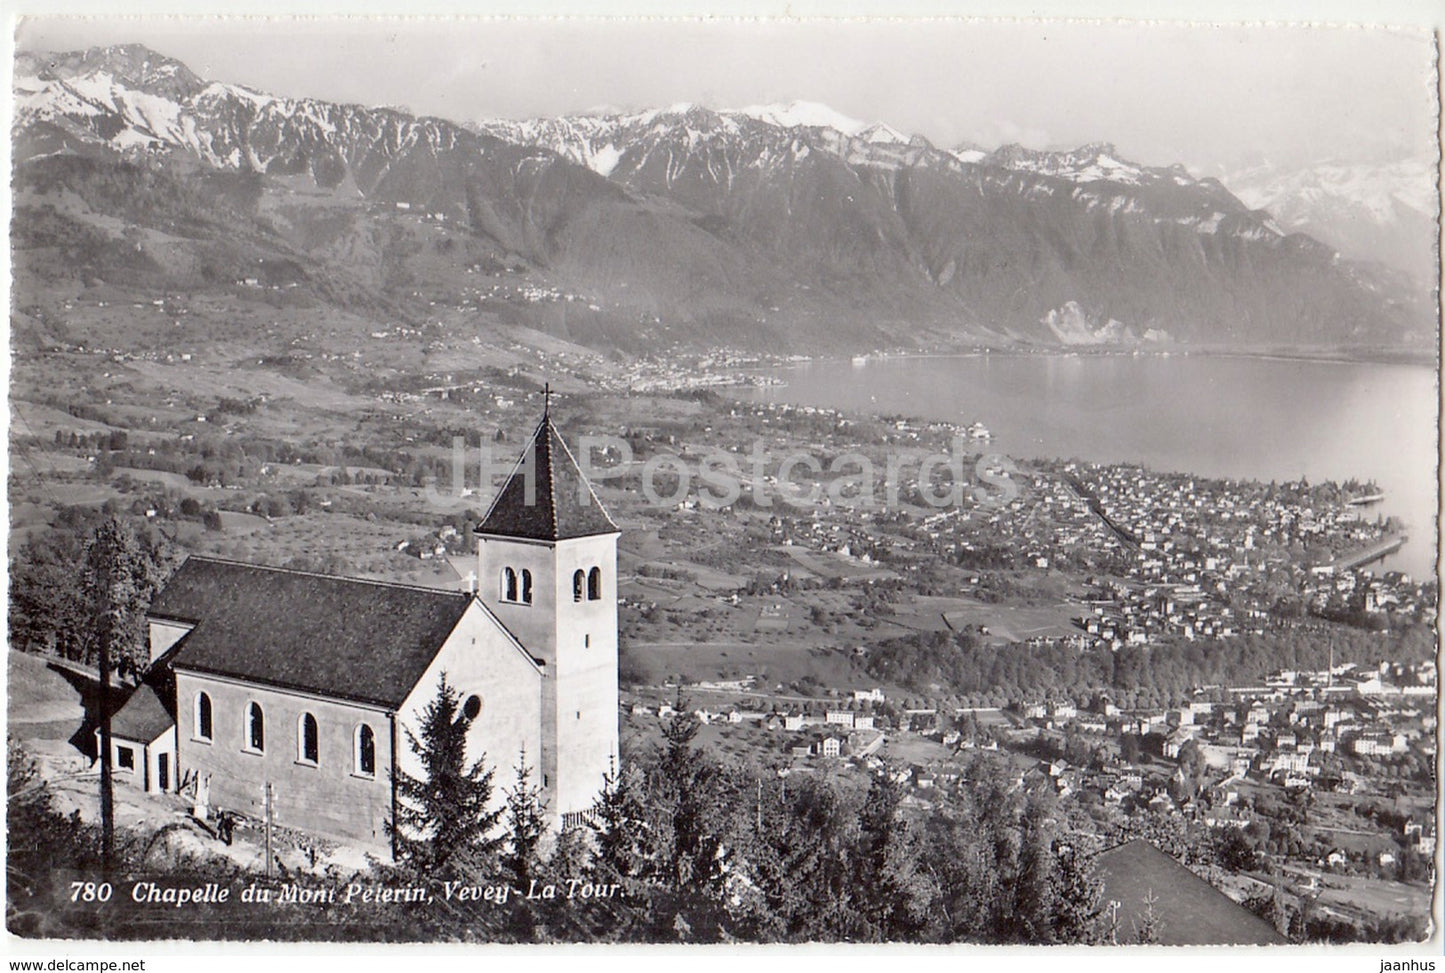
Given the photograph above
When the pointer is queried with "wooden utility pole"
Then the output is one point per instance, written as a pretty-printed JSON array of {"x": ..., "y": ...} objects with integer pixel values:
[
  {"x": 268, "y": 828},
  {"x": 107, "y": 784}
]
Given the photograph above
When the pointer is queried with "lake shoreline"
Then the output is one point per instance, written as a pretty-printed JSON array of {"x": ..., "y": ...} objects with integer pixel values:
[
  {"x": 1312, "y": 356},
  {"x": 1218, "y": 414}
]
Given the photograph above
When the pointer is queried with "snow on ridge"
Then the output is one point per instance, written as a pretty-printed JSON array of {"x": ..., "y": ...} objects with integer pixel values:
[
  {"x": 1375, "y": 188},
  {"x": 650, "y": 115},
  {"x": 598, "y": 138},
  {"x": 1100, "y": 172},
  {"x": 27, "y": 84},
  {"x": 604, "y": 160},
  {"x": 1093, "y": 162},
  {"x": 803, "y": 114},
  {"x": 160, "y": 115},
  {"x": 880, "y": 133},
  {"x": 221, "y": 89},
  {"x": 98, "y": 88}
]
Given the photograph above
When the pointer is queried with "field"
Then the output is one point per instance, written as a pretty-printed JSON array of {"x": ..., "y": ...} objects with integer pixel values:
[
  {"x": 38, "y": 695},
  {"x": 46, "y": 713},
  {"x": 775, "y": 664},
  {"x": 1373, "y": 896},
  {"x": 830, "y": 566}
]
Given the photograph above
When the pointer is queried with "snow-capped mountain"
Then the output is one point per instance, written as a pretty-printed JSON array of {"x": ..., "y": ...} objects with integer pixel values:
[
  {"x": 805, "y": 114},
  {"x": 1368, "y": 211},
  {"x": 134, "y": 101},
  {"x": 1094, "y": 162},
  {"x": 617, "y": 145},
  {"x": 687, "y": 147},
  {"x": 784, "y": 224}
]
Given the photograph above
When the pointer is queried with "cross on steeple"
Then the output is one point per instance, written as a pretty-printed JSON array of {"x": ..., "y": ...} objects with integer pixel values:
[
  {"x": 546, "y": 497},
  {"x": 546, "y": 399}
]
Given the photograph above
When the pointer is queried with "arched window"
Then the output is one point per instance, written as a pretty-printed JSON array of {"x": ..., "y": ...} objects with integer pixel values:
[
  {"x": 365, "y": 751},
  {"x": 308, "y": 743},
  {"x": 526, "y": 587},
  {"x": 255, "y": 728},
  {"x": 203, "y": 717},
  {"x": 509, "y": 584},
  {"x": 578, "y": 580},
  {"x": 594, "y": 584}
]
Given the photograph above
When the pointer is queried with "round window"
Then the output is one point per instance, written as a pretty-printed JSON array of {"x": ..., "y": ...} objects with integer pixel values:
[{"x": 472, "y": 707}]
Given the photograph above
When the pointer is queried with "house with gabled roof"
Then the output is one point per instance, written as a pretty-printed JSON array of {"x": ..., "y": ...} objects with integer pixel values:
[{"x": 309, "y": 686}]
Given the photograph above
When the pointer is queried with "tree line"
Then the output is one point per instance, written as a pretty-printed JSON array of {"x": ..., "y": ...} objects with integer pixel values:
[
  {"x": 707, "y": 851},
  {"x": 58, "y": 608},
  {"x": 966, "y": 664}
]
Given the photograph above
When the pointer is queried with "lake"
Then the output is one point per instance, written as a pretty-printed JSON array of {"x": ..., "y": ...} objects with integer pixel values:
[{"x": 1237, "y": 417}]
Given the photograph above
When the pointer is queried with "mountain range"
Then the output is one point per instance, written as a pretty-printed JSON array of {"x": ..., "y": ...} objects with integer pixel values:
[
  {"x": 1369, "y": 211},
  {"x": 789, "y": 227}
]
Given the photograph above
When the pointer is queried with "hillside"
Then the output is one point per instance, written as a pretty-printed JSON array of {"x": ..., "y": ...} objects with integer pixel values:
[{"x": 773, "y": 227}]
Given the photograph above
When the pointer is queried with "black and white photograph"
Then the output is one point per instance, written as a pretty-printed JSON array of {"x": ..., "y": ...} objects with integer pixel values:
[{"x": 814, "y": 481}]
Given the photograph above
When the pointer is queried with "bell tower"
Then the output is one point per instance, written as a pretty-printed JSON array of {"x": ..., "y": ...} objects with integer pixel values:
[{"x": 547, "y": 568}]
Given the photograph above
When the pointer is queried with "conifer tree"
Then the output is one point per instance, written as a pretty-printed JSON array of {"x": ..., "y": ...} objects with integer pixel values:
[
  {"x": 442, "y": 817},
  {"x": 1147, "y": 931},
  {"x": 617, "y": 820},
  {"x": 894, "y": 892},
  {"x": 1033, "y": 893},
  {"x": 118, "y": 577},
  {"x": 685, "y": 810},
  {"x": 1078, "y": 899},
  {"x": 525, "y": 822},
  {"x": 571, "y": 856}
]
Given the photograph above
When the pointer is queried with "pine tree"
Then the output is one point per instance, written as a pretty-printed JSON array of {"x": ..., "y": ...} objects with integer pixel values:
[
  {"x": 672, "y": 816},
  {"x": 1033, "y": 896},
  {"x": 812, "y": 888},
  {"x": 1148, "y": 928},
  {"x": 895, "y": 893},
  {"x": 118, "y": 577},
  {"x": 525, "y": 820},
  {"x": 686, "y": 810},
  {"x": 442, "y": 817},
  {"x": 617, "y": 820},
  {"x": 1077, "y": 895},
  {"x": 571, "y": 857}
]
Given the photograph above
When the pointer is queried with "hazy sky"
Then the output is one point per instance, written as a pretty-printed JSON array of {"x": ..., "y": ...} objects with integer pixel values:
[{"x": 1204, "y": 96}]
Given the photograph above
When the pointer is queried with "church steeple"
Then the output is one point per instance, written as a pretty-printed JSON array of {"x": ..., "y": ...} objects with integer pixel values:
[
  {"x": 546, "y": 497},
  {"x": 547, "y": 564}
]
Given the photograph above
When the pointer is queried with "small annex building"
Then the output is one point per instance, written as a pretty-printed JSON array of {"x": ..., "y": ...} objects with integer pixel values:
[{"x": 143, "y": 741}]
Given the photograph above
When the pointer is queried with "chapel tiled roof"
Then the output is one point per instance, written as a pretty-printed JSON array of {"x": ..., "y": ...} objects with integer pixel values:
[{"x": 367, "y": 641}]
